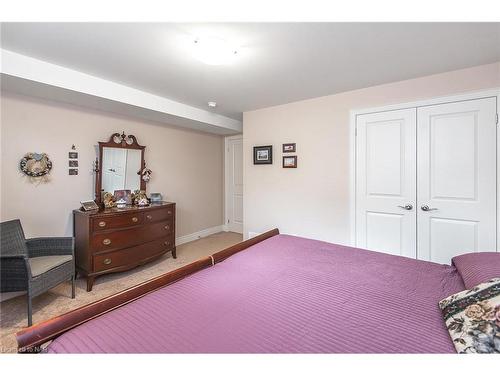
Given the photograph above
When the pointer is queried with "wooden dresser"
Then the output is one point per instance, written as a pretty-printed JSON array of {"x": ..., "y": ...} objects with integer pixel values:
[{"x": 113, "y": 240}]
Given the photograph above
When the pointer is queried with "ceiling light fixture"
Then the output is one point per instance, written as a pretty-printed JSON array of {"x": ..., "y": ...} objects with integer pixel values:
[
  {"x": 212, "y": 104},
  {"x": 214, "y": 51}
]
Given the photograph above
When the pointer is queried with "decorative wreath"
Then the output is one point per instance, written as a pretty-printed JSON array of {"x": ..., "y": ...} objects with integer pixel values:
[{"x": 35, "y": 165}]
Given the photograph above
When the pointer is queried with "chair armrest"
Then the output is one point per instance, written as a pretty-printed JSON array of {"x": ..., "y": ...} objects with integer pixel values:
[
  {"x": 45, "y": 246},
  {"x": 12, "y": 256}
]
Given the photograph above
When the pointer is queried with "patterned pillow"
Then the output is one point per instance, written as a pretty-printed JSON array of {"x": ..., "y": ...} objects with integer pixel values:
[{"x": 473, "y": 318}]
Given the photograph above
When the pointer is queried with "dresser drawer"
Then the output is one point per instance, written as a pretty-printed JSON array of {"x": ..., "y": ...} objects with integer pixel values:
[
  {"x": 119, "y": 221},
  {"x": 131, "y": 255},
  {"x": 117, "y": 239},
  {"x": 164, "y": 214},
  {"x": 158, "y": 230}
]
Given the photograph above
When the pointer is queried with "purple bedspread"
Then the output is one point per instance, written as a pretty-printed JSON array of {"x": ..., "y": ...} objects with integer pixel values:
[{"x": 284, "y": 295}]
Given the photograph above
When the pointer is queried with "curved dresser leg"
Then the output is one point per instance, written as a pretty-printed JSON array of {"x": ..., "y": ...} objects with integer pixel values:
[
  {"x": 174, "y": 252},
  {"x": 73, "y": 287},
  {"x": 90, "y": 283}
]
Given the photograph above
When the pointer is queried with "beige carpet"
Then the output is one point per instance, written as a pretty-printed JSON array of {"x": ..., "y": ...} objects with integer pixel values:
[{"x": 58, "y": 300}]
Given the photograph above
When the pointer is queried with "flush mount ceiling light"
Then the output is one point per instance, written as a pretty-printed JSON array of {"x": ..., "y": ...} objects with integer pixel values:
[
  {"x": 214, "y": 51},
  {"x": 212, "y": 104}
]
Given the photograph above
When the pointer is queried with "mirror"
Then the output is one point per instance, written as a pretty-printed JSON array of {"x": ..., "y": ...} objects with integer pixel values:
[
  {"x": 120, "y": 162},
  {"x": 121, "y": 169}
]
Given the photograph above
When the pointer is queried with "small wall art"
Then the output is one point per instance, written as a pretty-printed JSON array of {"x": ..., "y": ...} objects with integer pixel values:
[
  {"x": 289, "y": 147},
  {"x": 73, "y": 161},
  {"x": 263, "y": 155},
  {"x": 289, "y": 161}
]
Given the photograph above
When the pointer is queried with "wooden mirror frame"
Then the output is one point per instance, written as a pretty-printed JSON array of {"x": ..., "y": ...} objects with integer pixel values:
[{"x": 123, "y": 143}]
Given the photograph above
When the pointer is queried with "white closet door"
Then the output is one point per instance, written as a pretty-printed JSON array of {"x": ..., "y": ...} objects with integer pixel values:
[
  {"x": 234, "y": 198},
  {"x": 456, "y": 182},
  {"x": 385, "y": 182}
]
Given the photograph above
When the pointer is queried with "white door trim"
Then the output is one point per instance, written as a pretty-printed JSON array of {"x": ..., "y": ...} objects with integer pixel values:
[
  {"x": 226, "y": 177},
  {"x": 414, "y": 104}
]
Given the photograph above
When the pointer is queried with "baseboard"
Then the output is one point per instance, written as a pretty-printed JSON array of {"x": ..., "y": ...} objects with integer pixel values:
[{"x": 197, "y": 235}]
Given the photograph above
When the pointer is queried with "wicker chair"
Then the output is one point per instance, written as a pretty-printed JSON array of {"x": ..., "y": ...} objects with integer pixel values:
[{"x": 34, "y": 265}]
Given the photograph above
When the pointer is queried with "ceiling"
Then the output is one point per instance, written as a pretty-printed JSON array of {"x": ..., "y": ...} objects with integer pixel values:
[{"x": 277, "y": 63}]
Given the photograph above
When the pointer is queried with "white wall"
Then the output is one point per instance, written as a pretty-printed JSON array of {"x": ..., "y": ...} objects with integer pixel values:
[
  {"x": 313, "y": 200},
  {"x": 187, "y": 165}
]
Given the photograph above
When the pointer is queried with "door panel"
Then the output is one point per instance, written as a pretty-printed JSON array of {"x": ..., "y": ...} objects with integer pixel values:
[
  {"x": 453, "y": 163},
  {"x": 383, "y": 163},
  {"x": 385, "y": 180},
  {"x": 235, "y": 186},
  {"x": 456, "y": 166},
  {"x": 384, "y": 232},
  {"x": 449, "y": 237}
]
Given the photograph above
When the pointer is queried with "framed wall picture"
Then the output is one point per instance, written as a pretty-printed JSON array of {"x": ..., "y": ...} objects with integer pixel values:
[
  {"x": 73, "y": 163},
  {"x": 263, "y": 155},
  {"x": 289, "y": 161},
  {"x": 289, "y": 147},
  {"x": 73, "y": 155},
  {"x": 73, "y": 171}
]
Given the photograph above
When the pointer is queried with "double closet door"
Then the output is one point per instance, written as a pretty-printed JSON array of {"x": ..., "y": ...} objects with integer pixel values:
[{"x": 426, "y": 180}]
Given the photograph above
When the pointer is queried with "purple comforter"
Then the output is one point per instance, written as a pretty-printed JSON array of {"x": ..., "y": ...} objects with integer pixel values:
[{"x": 284, "y": 295}]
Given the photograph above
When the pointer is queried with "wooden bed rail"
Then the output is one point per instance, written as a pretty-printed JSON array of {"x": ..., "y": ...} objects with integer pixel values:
[{"x": 30, "y": 339}]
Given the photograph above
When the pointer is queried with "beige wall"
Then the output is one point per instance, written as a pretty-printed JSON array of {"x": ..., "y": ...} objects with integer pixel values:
[
  {"x": 187, "y": 166},
  {"x": 313, "y": 200}
]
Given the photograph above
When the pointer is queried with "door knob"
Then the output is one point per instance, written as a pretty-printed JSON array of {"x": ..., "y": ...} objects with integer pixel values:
[
  {"x": 427, "y": 208},
  {"x": 408, "y": 207}
]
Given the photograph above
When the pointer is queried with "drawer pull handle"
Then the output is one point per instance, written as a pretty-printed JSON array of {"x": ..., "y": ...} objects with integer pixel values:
[
  {"x": 167, "y": 243},
  {"x": 135, "y": 220},
  {"x": 107, "y": 261},
  {"x": 106, "y": 241},
  {"x": 102, "y": 224},
  {"x": 169, "y": 212},
  {"x": 167, "y": 227},
  {"x": 149, "y": 217}
]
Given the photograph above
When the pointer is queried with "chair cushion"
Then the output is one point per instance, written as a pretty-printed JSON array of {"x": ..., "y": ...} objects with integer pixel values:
[{"x": 41, "y": 265}]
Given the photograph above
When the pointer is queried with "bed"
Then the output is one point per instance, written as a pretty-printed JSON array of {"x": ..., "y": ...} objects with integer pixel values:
[{"x": 272, "y": 294}]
